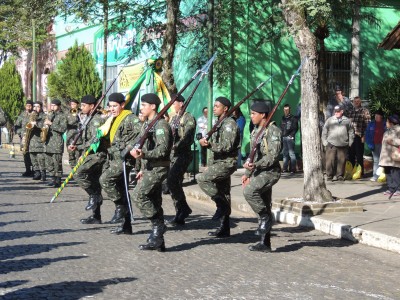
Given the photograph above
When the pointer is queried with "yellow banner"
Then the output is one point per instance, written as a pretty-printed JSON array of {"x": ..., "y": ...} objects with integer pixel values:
[{"x": 128, "y": 77}]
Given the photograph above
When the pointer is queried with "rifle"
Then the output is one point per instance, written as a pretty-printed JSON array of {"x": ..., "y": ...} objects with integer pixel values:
[
  {"x": 260, "y": 134},
  {"x": 139, "y": 142},
  {"x": 232, "y": 109},
  {"x": 94, "y": 111},
  {"x": 181, "y": 112}
]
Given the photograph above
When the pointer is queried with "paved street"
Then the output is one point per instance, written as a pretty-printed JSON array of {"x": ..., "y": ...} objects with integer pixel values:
[{"x": 45, "y": 253}]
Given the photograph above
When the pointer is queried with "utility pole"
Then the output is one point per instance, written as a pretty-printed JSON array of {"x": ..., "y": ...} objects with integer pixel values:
[
  {"x": 34, "y": 75},
  {"x": 210, "y": 28}
]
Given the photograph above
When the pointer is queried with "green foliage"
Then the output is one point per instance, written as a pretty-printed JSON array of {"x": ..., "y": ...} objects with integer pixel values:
[
  {"x": 16, "y": 23},
  {"x": 11, "y": 93},
  {"x": 75, "y": 76},
  {"x": 385, "y": 94}
]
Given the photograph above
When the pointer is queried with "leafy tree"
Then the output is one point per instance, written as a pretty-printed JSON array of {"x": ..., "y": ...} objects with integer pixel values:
[
  {"x": 16, "y": 23},
  {"x": 75, "y": 76},
  {"x": 11, "y": 93},
  {"x": 385, "y": 94}
]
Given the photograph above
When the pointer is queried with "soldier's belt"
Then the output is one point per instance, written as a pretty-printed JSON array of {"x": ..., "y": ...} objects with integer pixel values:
[{"x": 155, "y": 164}]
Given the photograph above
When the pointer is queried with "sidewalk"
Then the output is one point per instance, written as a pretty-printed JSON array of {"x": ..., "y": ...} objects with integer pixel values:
[{"x": 378, "y": 225}]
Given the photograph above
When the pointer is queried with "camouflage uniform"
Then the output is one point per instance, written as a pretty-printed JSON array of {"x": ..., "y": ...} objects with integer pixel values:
[
  {"x": 154, "y": 165},
  {"x": 267, "y": 172},
  {"x": 88, "y": 174},
  {"x": 112, "y": 179},
  {"x": 20, "y": 129},
  {"x": 55, "y": 144},
  {"x": 36, "y": 146},
  {"x": 73, "y": 122},
  {"x": 224, "y": 145},
  {"x": 181, "y": 157}
]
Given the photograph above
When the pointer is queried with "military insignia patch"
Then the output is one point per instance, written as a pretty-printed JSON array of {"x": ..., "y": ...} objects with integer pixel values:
[{"x": 160, "y": 131}]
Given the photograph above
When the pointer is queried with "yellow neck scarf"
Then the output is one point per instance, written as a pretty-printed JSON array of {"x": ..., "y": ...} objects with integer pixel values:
[{"x": 117, "y": 122}]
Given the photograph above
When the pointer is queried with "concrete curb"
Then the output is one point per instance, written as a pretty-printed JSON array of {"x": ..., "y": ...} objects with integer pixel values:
[{"x": 339, "y": 230}]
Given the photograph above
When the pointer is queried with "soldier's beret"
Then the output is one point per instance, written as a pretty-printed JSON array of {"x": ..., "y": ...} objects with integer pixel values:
[
  {"x": 260, "y": 107},
  {"x": 116, "y": 97},
  {"x": 151, "y": 99},
  {"x": 394, "y": 119},
  {"x": 224, "y": 101},
  {"x": 29, "y": 102},
  {"x": 56, "y": 102},
  {"x": 88, "y": 99},
  {"x": 179, "y": 99},
  {"x": 39, "y": 103},
  {"x": 74, "y": 100}
]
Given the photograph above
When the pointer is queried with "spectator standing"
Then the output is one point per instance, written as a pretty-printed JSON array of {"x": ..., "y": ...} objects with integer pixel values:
[
  {"x": 338, "y": 99},
  {"x": 360, "y": 117},
  {"x": 289, "y": 127},
  {"x": 390, "y": 143},
  {"x": 202, "y": 124},
  {"x": 3, "y": 121},
  {"x": 337, "y": 136},
  {"x": 373, "y": 138}
]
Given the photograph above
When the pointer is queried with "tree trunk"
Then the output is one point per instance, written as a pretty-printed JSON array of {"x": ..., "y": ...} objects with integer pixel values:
[
  {"x": 169, "y": 44},
  {"x": 314, "y": 184},
  {"x": 355, "y": 53},
  {"x": 105, "y": 25}
]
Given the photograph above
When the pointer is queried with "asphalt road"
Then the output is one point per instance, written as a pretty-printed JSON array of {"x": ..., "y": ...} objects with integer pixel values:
[{"x": 45, "y": 253}]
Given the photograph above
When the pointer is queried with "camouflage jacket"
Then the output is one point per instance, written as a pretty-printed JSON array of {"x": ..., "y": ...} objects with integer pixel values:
[
  {"x": 54, "y": 141},
  {"x": 3, "y": 119},
  {"x": 90, "y": 132},
  {"x": 183, "y": 137},
  {"x": 126, "y": 133},
  {"x": 157, "y": 147},
  {"x": 73, "y": 123},
  {"x": 35, "y": 143},
  {"x": 268, "y": 150},
  {"x": 20, "y": 123},
  {"x": 225, "y": 142}
]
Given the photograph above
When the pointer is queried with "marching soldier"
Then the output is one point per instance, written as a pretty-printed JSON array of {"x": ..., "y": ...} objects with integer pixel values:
[
  {"x": 36, "y": 146},
  {"x": 124, "y": 129},
  {"x": 155, "y": 163},
  {"x": 216, "y": 180},
  {"x": 20, "y": 127},
  {"x": 181, "y": 157},
  {"x": 55, "y": 125},
  {"x": 88, "y": 174},
  {"x": 73, "y": 122},
  {"x": 262, "y": 174}
]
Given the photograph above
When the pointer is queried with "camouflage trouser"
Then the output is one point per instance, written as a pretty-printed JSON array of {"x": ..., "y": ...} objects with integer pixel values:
[
  {"x": 179, "y": 166},
  {"x": 88, "y": 174},
  {"x": 112, "y": 181},
  {"x": 216, "y": 180},
  {"x": 258, "y": 193},
  {"x": 38, "y": 160},
  {"x": 147, "y": 194},
  {"x": 54, "y": 164},
  {"x": 73, "y": 157}
]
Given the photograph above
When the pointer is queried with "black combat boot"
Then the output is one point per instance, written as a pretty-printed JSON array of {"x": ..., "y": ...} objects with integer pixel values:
[
  {"x": 95, "y": 218},
  {"x": 217, "y": 215},
  {"x": 43, "y": 177},
  {"x": 37, "y": 175},
  {"x": 125, "y": 228},
  {"x": 224, "y": 230},
  {"x": 156, "y": 238},
  {"x": 57, "y": 182},
  {"x": 27, "y": 173},
  {"x": 119, "y": 214},
  {"x": 223, "y": 207},
  {"x": 180, "y": 216},
  {"x": 94, "y": 201},
  {"x": 52, "y": 181},
  {"x": 264, "y": 245}
]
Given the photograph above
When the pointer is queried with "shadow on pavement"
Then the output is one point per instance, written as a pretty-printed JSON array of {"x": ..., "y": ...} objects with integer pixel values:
[
  {"x": 330, "y": 242},
  {"x": 9, "y": 252},
  {"x": 366, "y": 194},
  {"x": 12, "y": 283},
  {"x": 31, "y": 263},
  {"x": 72, "y": 290},
  {"x": 16, "y": 222}
]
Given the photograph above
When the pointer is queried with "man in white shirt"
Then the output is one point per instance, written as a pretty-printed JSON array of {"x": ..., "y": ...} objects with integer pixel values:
[{"x": 202, "y": 124}]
